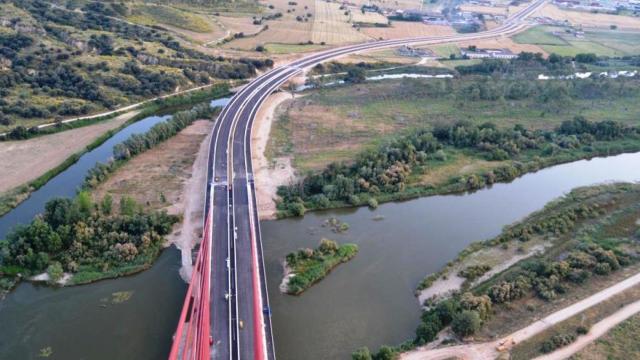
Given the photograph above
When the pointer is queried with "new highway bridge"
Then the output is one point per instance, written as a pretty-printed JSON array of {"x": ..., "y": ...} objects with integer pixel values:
[{"x": 226, "y": 313}]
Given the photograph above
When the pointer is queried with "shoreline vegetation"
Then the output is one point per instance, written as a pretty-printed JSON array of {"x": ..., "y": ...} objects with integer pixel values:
[
  {"x": 129, "y": 240},
  {"x": 492, "y": 122},
  {"x": 91, "y": 241},
  {"x": 12, "y": 198},
  {"x": 306, "y": 267},
  {"x": 393, "y": 171},
  {"x": 590, "y": 239}
]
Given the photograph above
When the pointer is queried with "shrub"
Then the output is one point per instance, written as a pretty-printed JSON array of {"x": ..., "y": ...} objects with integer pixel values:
[
  {"x": 361, "y": 354},
  {"x": 373, "y": 203},
  {"x": 582, "y": 330},
  {"x": 556, "y": 342},
  {"x": 466, "y": 323}
]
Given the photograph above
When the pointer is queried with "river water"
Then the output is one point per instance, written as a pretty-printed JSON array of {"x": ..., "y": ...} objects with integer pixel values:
[
  {"x": 367, "y": 301},
  {"x": 67, "y": 183}
]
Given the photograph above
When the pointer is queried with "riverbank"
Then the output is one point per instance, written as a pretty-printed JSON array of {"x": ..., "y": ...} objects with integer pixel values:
[
  {"x": 169, "y": 177},
  {"x": 586, "y": 240},
  {"x": 66, "y": 142},
  {"x": 270, "y": 173}
]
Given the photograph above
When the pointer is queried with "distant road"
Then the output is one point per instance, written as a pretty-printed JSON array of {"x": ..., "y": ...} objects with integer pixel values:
[{"x": 240, "y": 316}]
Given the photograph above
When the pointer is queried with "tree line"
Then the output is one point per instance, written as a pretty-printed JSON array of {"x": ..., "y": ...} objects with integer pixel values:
[
  {"x": 80, "y": 235},
  {"x": 387, "y": 168},
  {"x": 138, "y": 143}
]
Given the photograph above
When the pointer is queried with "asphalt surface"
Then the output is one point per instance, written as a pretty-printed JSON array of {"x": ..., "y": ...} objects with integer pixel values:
[{"x": 240, "y": 318}]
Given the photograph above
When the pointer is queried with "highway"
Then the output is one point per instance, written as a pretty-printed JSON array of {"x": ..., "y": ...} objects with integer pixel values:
[{"x": 239, "y": 317}]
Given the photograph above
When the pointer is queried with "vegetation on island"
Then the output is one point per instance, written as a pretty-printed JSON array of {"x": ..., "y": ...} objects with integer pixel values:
[
  {"x": 593, "y": 232},
  {"x": 308, "y": 266},
  {"x": 90, "y": 240}
]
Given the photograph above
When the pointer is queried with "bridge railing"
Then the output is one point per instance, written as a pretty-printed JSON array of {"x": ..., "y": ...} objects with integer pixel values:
[{"x": 192, "y": 337}]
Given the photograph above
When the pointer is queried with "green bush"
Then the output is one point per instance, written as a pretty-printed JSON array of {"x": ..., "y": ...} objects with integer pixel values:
[
  {"x": 466, "y": 323},
  {"x": 557, "y": 341}
]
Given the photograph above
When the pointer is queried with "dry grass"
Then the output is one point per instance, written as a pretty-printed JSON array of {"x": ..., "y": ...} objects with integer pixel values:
[
  {"x": 512, "y": 317},
  {"x": 367, "y": 18},
  {"x": 492, "y": 10},
  {"x": 158, "y": 172},
  {"x": 393, "y": 4},
  {"x": 620, "y": 342},
  {"x": 587, "y": 19},
  {"x": 26, "y": 160},
  {"x": 502, "y": 43},
  {"x": 331, "y": 26},
  {"x": 461, "y": 165},
  {"x": 402, "y": 29},
  {"x": 531, "y": 348},
  {"x": 217, "y": 32}
]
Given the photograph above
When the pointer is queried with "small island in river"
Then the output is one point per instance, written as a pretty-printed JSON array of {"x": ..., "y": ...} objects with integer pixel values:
[{"x": 305, "y": 267}]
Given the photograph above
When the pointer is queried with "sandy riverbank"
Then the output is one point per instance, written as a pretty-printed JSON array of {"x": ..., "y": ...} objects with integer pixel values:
[{"x": 268, "y": 175}]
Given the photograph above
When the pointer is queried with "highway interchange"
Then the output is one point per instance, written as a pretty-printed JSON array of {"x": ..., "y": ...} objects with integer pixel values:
[{"x": 239, "y": 309}]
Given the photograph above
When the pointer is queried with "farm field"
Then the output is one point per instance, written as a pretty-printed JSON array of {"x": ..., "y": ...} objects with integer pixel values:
[
  {"x": 586, "y": 19},
  {"x": 599, "y": 41},
  {"x": 278, "y": 48},
  {"x": 331, "y": 26},
  {"x": 367, "y": 18},
  {"x": 283, "y": 30},
  {"x": 400, "y": 29},
  {"x": 24, "y": 160},
  {"x": 492, "y": 10}
]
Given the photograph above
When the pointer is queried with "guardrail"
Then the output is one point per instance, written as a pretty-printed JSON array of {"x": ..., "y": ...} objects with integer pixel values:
[{"x": 192, "y": 339}]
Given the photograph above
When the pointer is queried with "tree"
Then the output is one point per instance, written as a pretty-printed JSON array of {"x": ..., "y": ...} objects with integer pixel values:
[
  {"x": 361, "y": 354},
  {"x": 466, "y": 323},
  {"x": 386, "y": 353},
  {"x": 107, "y": 204},
  {"x": 128, "y": 206},
  {"x": 55, "y": 272},
  {"x": 355, "y": 75},
  {"x": 85, "y": 204}
]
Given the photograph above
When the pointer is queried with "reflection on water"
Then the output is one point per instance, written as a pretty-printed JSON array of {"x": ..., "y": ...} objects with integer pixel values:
[
  {"x": 128, "y": 318},
  {"x": 369, "y": 300}
]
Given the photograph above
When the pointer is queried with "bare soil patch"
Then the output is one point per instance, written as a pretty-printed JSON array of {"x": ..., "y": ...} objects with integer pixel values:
[
  {"x": 268, "y": 174},
  {"x": 170, "y": 176},
  {"x": 26, "y": 160}
]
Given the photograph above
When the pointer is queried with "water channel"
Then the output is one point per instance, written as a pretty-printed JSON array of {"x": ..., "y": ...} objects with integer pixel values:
[{"x": 368, "y": 301}]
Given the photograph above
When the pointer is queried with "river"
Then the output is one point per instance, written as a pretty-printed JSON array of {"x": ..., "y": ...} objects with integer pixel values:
[
  {"x": 368, "y": 301},
  {"x": 67, "y": 182}
]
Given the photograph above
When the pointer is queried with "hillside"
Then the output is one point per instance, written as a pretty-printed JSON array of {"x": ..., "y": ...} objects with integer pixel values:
[{"x": 63, "y": 61}]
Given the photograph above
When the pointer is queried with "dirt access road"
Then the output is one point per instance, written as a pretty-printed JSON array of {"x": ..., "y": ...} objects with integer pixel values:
[{"x": 488, "y": 350}]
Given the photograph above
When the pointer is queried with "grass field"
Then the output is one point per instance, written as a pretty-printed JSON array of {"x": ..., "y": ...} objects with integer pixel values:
[
  {"x": 621, "y": 342},
  {"x": 276, "y": 48},
  {"x": 159, "y": 14},
  {"x": 603, "y": 42},
  {"x": 333, "y": 124},
  {"x": 587, "y": 19},
  {"x": 531, "y": 348}
]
